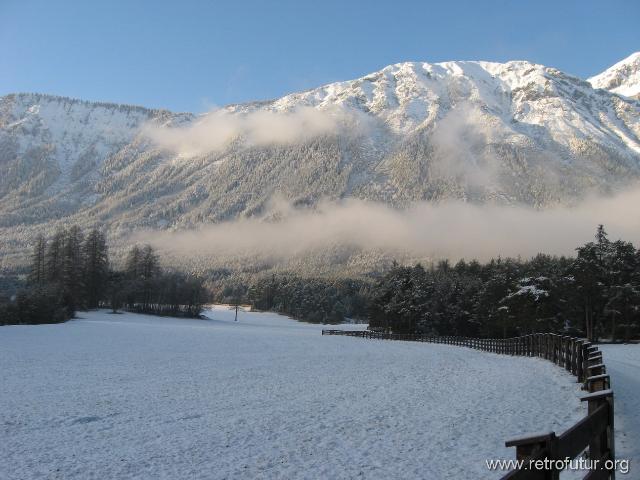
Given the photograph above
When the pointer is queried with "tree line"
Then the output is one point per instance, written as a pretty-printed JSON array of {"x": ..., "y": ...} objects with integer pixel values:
[
  {"x": 596, "y": 295},
  {"x": 71, "y": 272},
  {"x": 312, "y": 300}
]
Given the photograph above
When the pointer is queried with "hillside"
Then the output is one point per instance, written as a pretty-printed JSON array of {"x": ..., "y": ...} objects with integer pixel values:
[{"x": 511, "y": 134}]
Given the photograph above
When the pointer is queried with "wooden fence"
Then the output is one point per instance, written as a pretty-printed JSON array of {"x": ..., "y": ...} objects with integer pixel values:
[{"x": 593, "y": 434}]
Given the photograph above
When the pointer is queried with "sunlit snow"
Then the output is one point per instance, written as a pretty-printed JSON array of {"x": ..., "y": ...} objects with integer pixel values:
[{"x": 134, "y": 396}]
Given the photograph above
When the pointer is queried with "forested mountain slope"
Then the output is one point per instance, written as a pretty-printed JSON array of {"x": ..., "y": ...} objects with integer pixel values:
[{"x": 513, "y": 133}]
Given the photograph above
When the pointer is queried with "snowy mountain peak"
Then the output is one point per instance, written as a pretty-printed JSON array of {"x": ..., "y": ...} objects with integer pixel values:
[
  {"x": 622, "y": 78},
  {"x": 483, "y": 132},
  {"x": 507, "y": 102}
]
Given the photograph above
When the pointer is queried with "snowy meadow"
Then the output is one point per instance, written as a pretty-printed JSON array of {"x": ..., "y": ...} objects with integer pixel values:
[{"x": 134, "y": 396}]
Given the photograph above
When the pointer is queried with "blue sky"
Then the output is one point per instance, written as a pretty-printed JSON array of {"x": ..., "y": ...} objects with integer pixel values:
[{"x": 193, "y": 55}]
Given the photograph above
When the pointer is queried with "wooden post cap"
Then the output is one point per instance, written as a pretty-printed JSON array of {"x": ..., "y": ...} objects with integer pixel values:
[
  {"x": 597, "y": 395},
  {"x": 530, "y": 439}
]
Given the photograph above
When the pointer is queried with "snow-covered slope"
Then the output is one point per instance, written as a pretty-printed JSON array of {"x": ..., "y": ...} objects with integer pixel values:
[
  {"x": 138, "y": 397},
  {"x": 53, "y": 149},
  {"x": 512, "y": 133},
  {"x": 622, "y": 78}
]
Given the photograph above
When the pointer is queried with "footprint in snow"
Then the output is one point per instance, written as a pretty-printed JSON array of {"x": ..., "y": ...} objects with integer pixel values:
[
  {"x": 191, "y": 417},
  {"x": 82, "y": 420}
]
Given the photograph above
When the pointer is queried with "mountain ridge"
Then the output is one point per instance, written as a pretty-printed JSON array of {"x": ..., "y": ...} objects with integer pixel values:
[
  {"x": 482, "y": 132},
  {"x": 622, "y": 78}
]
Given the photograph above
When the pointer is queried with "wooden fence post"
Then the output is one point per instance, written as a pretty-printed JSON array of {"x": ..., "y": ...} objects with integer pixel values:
[
  {"x": 598, "y": 383},
  {"x": 585, "y": 361},
  {"x": 595, "y": 358},
  {"x": 602, "y": 447},
  {"x": 540, "y": 345},
  {"x": 579, "y": 361},
  {"x": 547, "y": 342},
  {"x": 536, "y": 447}
]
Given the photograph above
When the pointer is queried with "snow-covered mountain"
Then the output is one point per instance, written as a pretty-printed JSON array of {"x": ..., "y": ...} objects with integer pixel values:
[
  {"x": 622, "y": 78},
  {"x": 53, "y": 152},
  {"x": 512, "y": 133}
]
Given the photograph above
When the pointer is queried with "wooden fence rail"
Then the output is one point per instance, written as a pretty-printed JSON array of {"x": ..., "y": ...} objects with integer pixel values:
[{"x": 593, "y": 434}]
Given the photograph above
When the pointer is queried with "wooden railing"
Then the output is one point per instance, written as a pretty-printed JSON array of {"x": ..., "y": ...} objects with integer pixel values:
[{"x": 593, "y": 434}]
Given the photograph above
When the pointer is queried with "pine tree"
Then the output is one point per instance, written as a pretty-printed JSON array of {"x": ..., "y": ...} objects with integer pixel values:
[
  {"x": 142, "y": 267},
  {"x": 623, "y": 301},
  {"x": 622, "y": 294},
  {"x": 72, "y": 268},
  {"x": 132, "y": 263},
  {"x": 54, "y": 257},
  {"x": 115, "y": 289},
  {"x": 591, "y": 271},
  {"x": 132, "y": 273},
  {"x": 96, "y": 265},
  {"x": 150, "y": 268},
  {"x": 37, "y": 273},
  {"x": 602, "y": 241}
]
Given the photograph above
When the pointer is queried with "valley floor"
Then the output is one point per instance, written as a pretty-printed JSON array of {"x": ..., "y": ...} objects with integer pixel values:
[{"x": 132, "y": 396}]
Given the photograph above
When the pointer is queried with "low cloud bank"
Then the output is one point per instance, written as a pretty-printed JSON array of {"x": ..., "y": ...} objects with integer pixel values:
[
  {"x": 452, "y": 230},
  {"x": 217, "y": 129}
]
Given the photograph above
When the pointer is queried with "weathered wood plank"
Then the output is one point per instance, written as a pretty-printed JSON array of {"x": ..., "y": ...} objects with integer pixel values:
[{"x": 577, "y": 438}]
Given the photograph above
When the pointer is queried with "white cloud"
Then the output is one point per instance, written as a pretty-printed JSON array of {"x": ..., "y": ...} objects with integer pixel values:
[
  {"x": 216, "y": 129},
  {"x": 451, "y": 230}
]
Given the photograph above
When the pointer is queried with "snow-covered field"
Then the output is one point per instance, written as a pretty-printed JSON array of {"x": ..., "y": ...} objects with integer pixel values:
[{"x": 133, "y": 396}]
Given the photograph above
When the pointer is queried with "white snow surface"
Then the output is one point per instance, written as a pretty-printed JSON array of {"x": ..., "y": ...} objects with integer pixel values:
[
  {"x": 622, "y": 78},
  {"x": 623, "y": 365},
  {"x": 134, "y": 396}
]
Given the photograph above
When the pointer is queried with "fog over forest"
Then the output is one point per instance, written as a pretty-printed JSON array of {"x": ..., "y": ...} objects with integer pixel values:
[{"x": 450, "y": 230}]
